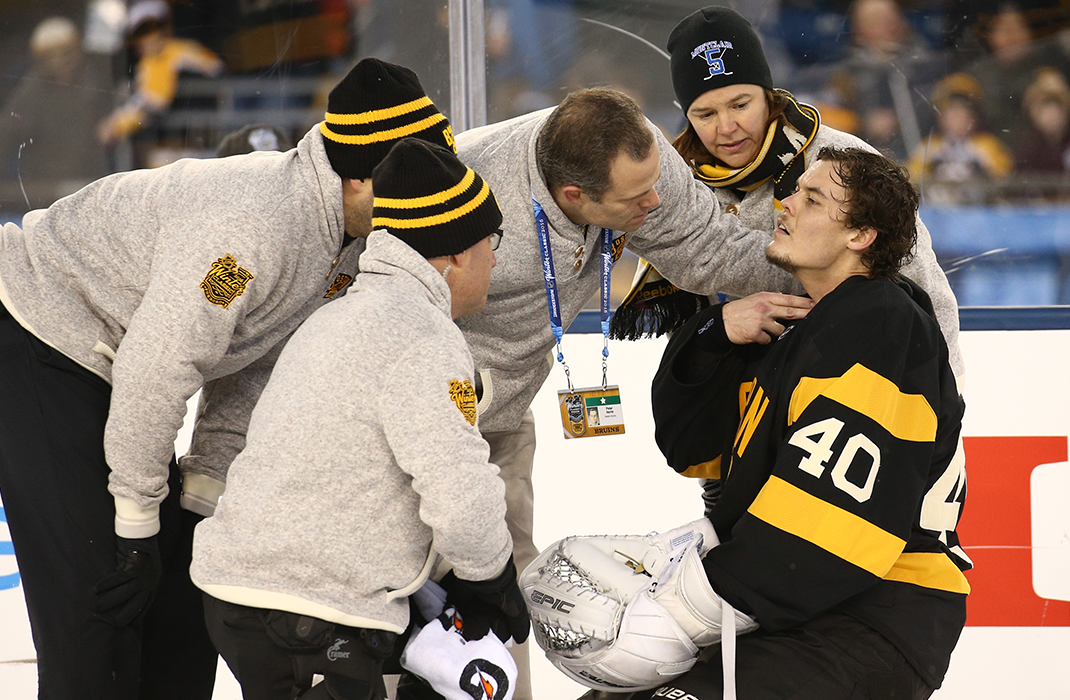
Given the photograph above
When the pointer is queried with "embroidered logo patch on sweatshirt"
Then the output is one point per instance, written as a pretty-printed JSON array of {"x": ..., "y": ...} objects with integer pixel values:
[
  {"x": 226, "y": 281},
  {"x": 464, "y": 395}
]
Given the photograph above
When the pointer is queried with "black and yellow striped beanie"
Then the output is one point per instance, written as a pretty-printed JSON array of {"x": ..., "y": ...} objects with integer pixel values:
[
  {"x": 431, "y": 200},
  {"x": 373, "y": 107}
]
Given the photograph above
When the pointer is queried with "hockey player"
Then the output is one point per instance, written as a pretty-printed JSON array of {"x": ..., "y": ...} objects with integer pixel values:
[
  {"x": 837, "y": 442},
  {"x": 836, "y": 439}
]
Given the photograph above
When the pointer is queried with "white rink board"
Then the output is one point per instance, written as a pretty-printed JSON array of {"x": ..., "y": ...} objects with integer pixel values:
[{"x": 619, "y": 484}]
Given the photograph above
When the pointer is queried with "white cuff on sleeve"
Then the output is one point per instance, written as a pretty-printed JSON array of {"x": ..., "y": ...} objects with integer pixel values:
[
  {"x": 134, "y": 522},
  {"x": 200, "y": 493}
]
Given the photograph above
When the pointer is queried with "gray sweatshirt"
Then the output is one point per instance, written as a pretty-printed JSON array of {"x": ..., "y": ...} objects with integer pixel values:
[
  {"x": 689, "y": 239},
  {"x": 163, "y": 281},
  {"x": 362, "y": 452}
]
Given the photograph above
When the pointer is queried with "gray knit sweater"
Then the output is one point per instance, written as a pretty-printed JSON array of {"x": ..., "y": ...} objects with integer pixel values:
[
  {"x": 358, "y": 459},
  {"x": 689, "y": 239},
  {"x": 163, "y": 280}
]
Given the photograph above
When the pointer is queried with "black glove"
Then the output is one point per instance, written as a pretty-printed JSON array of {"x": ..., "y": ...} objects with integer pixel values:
[
  {"x": 496, "y": 605},
  {"x": 124, "y": 595}
]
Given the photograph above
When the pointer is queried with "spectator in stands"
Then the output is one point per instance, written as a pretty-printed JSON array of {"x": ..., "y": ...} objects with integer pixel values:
[
  {"x": 960, "y": 152},
  {"x": 891, "y": 68},
  {"x": 838, "y": 103},
  {"x": 530, "y": 47},
  {"x": 161, "y": 59},
  {"x": 253, "y": 137},
  {"x": 295, "y": 37},
  {"x": 47, "y": 144},
  {"x": 1046, "y": 145},
  {"x": 1006, "y": 71}
]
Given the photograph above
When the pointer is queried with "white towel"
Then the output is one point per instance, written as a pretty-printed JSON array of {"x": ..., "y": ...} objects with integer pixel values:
[{"x": 457, "y": 669}]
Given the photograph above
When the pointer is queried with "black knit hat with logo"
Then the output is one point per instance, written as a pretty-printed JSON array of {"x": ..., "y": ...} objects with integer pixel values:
[
  {"x": 431, "y": 200},
  {"x": 712, "y": 48},
  {"x": 373, "y": 107}
]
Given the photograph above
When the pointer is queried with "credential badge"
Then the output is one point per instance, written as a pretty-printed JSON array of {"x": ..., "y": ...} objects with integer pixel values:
[
  {"x": 226, "y": 281},
  {"x": 464, "y": 395}
]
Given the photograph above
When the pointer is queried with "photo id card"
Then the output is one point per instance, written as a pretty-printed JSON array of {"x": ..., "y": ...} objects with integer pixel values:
[{"x": 591, "y": 412}]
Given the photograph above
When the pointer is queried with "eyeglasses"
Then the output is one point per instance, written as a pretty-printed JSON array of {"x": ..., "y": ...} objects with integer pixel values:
[{"x": 495, "y": 239}]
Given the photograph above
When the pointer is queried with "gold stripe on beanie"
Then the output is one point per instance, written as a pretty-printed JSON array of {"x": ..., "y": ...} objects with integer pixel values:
[
  {"x": 431, "y": 199},
  {"x": 381, "y": 136},
  {"x": 378, "y": 115},
  {"x": 444, "y": 217}
]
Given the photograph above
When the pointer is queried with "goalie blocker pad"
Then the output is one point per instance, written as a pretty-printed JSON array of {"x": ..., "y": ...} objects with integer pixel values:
[{"x": 625, "y": 613}]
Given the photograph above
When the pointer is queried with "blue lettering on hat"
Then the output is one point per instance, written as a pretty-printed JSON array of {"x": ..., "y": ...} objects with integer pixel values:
[{"x": 712, "y": 51}]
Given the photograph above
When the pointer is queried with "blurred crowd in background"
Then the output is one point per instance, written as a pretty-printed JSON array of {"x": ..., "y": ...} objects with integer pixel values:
[{"x": 972, "y": 95}]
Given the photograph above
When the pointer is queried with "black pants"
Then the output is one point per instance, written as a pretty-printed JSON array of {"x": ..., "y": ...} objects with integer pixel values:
[
  {"x": 54, "y": 486},
  {"x": 275, "y": 654},
  {"x": 833, "y": 657}
]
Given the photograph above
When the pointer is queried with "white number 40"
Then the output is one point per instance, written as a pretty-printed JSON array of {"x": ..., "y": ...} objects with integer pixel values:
[{"x": 817, "y": 440}]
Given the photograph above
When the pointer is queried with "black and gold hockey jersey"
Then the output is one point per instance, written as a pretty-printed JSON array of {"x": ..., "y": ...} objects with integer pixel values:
[{"x": 840, "y": 460}]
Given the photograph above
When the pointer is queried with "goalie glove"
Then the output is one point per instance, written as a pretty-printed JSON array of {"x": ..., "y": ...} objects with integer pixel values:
[{"x": 604, "y": 608}]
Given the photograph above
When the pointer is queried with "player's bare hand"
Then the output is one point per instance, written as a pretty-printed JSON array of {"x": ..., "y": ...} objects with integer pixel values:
[{"x": 757, "y": 318}]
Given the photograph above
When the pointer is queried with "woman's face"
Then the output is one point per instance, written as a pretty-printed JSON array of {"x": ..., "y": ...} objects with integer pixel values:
[{"x": 731, "y": 122}]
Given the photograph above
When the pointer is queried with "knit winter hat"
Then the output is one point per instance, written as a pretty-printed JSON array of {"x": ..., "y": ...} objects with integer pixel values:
[
  {"x": 713, "y": 48},
  {"x": 431, "y": 200},
  {"x": 376, "y": 104}
]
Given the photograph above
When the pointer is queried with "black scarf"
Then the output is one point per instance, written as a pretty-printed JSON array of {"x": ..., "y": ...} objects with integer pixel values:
[{"x": 654, "y": 305}]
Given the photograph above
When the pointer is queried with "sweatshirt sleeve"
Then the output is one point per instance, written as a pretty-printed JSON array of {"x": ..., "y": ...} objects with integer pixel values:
[
  {"x": 182, "y": 329},
  {"x": 698, "y": 247},
  {"x": 430, "y": 425},
  {"x": 925, "y": 270},
  {"x": 219, "y": 433}
]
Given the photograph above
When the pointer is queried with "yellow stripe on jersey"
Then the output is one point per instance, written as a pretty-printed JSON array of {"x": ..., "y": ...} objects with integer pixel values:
[
  {"x": 705, "y": 470},
  {"x": 849, "y": 537},
  {"x": 930, "y": 570},
  {"x": 753, "y": 416},
  {"x": 905, "y": 416}
]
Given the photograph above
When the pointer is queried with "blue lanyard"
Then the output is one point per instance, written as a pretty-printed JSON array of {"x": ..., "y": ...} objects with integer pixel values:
[{"x": 542, "y": 224}]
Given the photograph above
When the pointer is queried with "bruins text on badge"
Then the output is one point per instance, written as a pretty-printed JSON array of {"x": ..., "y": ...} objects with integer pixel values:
[
  {"x": 226, "y": 281},
  {"x": 464, "y": 395},
  {"x": 340, "y": 282}
]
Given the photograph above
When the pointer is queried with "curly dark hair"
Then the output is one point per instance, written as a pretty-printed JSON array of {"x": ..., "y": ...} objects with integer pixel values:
[
  {"x": 584, "y": 135},
  {"x": 881, "y": 197}
]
